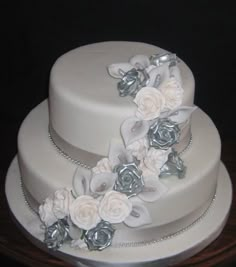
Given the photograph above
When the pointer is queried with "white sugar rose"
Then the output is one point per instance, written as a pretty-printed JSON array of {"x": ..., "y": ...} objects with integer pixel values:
[
  {"x": 84, "y": 212},
  {"x": 46, "y": 213},
  {"x": 103, "y": 165},
  {"x": 138, "y": 148},
  {"x": 115, "y": 207},
  {"x": 150, "y": 102},
  {"x": 173, "y": 93},
  {"x": 61, "y": 203},
  {"x": 155, "y": 159}
]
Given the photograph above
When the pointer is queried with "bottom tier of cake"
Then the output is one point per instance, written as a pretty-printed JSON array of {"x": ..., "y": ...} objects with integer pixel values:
[
  {"x": 168, "y": 251},
  {"x": 44, "y": 170}
]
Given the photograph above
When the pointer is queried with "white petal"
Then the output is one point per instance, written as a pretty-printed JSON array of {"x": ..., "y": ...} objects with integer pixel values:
[
  {"x": 153, "y": 189},
  {"x": 175, "y": 72},
  {"x": 157, "y": 73},
  {"x": 102, "y": 182},
  {"x": 74, "y": 231},
  {"x": 79, "y": 243},
  {"x": 81, "y": 181},
  {"x": 149, "y": 68},
  {"x": 181, "y": 114},
  {"x": 140, "y": 61},
  {"x": 133, "y": 129},
  {"x": 118, "y": 154},
  {"x": 139, "y": 216},
  {"x": 114, "y": 69}
]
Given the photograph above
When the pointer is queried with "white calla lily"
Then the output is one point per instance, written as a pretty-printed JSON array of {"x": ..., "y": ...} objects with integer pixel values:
[
  {"x": 118, "y": 154},
  {"x": 140, "y": 61},
  {"x": 175, "y": 72},
  {"x": 116, "y": 70},
  {"x": 158, "y": 75},
  {"x": 139, "y": 216},
  {"x": 153, "y": 189},
  {"x": 133, "y": 129},
  {"x": 102, "y": 182},
  {"x": 181, "y": 114},
  {"x": 81, "y": 181}
]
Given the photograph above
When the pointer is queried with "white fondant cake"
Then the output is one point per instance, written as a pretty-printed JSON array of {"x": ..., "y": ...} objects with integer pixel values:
[{"x": 140, "y": 167}]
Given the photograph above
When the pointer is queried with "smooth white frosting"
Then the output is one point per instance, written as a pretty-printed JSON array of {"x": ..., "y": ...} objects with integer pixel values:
[
  {"x": 85, "y": 107},
  {"x": 44, "y": 170}
]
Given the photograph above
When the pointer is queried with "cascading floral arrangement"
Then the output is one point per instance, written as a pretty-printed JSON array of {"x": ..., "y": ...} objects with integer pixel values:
[{"x": 116, "y": 189}]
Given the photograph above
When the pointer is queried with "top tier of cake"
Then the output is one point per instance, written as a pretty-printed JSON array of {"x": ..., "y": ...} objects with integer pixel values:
[{"x": 86, "y": 110}]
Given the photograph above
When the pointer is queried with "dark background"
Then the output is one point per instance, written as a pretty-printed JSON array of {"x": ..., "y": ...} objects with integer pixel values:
[{"x": 36, "y": 33}]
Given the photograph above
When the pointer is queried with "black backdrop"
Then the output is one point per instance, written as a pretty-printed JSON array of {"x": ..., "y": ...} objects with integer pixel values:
[{"x": 36, "y": 33}]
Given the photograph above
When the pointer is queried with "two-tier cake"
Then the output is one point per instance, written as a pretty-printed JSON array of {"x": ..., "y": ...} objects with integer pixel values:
[{"x": 119, "y": 166}]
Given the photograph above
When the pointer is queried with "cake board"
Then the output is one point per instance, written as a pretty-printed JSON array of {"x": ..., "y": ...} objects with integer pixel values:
[{"x": 172, "y": 250}]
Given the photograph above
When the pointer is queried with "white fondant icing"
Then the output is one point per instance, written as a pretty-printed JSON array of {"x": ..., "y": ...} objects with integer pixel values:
[{"x": 85, "y": 107}]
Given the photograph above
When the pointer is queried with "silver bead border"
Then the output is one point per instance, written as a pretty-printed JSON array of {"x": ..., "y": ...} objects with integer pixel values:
[
  {"x": 25, "y": 198},
  {"x": 188, "y": 146},
  {"x": 65, "y": 155},
  {"x": 170, "y": 236}
]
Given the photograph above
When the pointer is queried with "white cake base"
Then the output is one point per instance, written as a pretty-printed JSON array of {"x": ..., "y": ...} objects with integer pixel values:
[{"x": 168, "y": 252}]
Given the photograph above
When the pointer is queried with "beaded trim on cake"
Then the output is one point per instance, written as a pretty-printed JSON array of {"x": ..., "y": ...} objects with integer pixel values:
[
  {"x": 25, "y": 196},
  {"x": 173, "y": 235},
  {"x": 65, "y": 155},
  {"x": 188, "y": 146}
]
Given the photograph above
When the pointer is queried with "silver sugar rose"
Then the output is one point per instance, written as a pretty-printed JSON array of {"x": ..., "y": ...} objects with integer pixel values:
[
  {"x": 132, "y": 81},
  {"x": 163, "y": 134},
  {"x": 100, "y": 236},
  {"x": 57, "y": 234},
  {"x": 173, "y": 166},
  {"x": 162, "y": 58},
  {"x": 129, "y": 180}
]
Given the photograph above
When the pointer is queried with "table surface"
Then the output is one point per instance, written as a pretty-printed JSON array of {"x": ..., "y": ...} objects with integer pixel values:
[{"x": 222, "y": 252}]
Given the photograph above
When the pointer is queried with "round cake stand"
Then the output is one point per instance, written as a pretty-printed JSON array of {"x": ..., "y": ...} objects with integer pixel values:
[{"x": 177, "y": 248}]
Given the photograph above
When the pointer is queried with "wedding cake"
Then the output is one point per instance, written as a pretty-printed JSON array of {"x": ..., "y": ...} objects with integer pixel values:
[{"x": 118, "y": 156}]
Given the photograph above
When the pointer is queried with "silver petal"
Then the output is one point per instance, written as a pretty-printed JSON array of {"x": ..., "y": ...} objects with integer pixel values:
[
  {"x": 56, "y": 234},
  {"x": 173, "y": 166},
  {"x": 99, "y": 237},
  {"x": 129, "y": 180},
  {"x": 162, "y": 58}
]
